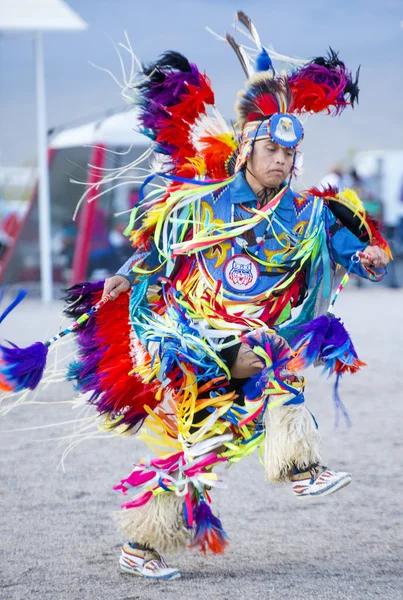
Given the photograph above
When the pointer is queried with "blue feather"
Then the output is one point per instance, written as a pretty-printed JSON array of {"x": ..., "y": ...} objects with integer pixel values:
[
  {"x": 339, "y": 404},
  {"x": 20, "y": 296},
  {"x": 263, "y": 61}
]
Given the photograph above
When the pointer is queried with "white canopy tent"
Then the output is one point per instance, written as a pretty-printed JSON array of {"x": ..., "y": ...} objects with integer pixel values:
[
  {"x": 26, "y": 16},
  {"x": 119, "y": 129}
]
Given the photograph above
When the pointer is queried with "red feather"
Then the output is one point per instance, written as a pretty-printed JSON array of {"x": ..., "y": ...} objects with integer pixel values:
[
  {"x": 329, "y": 192},
  {"x": 123, "y": 394},
  {"x": 311, "y": 96},
  {"x": 176, "y": 129},
  {"x": 377, "y": 238},
  {"x": 266, "y": 104}
]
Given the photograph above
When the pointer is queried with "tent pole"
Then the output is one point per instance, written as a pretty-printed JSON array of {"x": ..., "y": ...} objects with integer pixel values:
[{"x": 43, "y": 181}]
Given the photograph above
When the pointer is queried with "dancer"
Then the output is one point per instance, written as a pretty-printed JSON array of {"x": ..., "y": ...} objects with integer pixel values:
[
  {"x": 233, "y": 262},
  {"x": 198, "y": 351}
]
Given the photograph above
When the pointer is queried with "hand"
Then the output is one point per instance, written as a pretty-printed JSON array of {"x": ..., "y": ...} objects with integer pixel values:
[
  {"x": 115, "y": 285},
  {"x": 377, "y": 257}
]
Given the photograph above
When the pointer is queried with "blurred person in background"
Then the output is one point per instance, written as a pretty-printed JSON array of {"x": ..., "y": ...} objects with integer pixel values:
[
  {"x": 400, "y": 222},
  {"x": 118, "y": 242},
  {"x": 372, "y": 202},
  {"x": 392, "y": 214},
  {"x": 68, "y": 236},
  {"x": 333, "y": 178}
]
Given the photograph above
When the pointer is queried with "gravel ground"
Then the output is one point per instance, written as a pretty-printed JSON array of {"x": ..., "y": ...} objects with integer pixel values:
[{"x": 59, "y": 542}]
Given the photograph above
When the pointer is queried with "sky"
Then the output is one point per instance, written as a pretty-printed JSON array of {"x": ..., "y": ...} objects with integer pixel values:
[{"x": 366, "y": 32}]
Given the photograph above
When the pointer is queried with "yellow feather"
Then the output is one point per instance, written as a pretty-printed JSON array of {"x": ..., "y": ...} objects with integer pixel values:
[
  {"x": 349, "y": 198},
  {"x": 199, "y": 164}
]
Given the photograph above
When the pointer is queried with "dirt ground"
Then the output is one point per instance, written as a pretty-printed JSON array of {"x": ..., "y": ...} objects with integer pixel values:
[{"x": 58, "y": 540}]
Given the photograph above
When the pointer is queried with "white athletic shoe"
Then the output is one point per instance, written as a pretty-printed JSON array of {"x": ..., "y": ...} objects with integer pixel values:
[
  {"x": 319, "y": 482},
  {"x": 145, "y": 563}
]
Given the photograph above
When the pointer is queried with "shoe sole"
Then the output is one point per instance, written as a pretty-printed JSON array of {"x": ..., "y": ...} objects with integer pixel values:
[
  {"x": 176, "y": 575},
  {"x": 130, "y": 571},
  {"x": 330, "y": 490},
  {"x": 140, "y": 574}
]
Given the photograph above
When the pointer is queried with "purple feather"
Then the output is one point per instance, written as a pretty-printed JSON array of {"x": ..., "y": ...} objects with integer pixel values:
[
  {"x": 313, "y": 332},
  {"x": 80, "y": 299},
  {"x": 166, "y": 84},
  {"x": 334, "y": 79},
  {"x": 23, "y": 367},
  {"x": 326, "y": 340},
  {"x": 85, "y": 370}
]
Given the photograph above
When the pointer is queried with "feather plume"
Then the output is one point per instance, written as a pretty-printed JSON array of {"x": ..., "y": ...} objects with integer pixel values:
[
  {"x": 329, "y": 192},
  {"x": 263, "y": 61},
  {"x": 323, "y": 84},
  {"x": 241, "y": 55},
  {"x": 19, "y": 297},
  {"x": 216, "y": 151},
  {"x": 325, "y": 339},
  {"x": 247, "y": 23},
  {"x": 376, "y": 237},
  {"x": 104, "y": 366},
  {"x": 22, "y": 368},
  {"x": 172, "y": 95},
  {"x": 209, "y": 532}
]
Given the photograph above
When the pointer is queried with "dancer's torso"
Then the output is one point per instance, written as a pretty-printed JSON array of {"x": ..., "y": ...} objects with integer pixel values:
[{"x": 258, "y": 272}]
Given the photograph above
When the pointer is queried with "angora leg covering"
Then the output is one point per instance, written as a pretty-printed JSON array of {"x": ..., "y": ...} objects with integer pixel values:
[
  {"x": 291, "y": 440},
  {"x": 159, "y": 524}
]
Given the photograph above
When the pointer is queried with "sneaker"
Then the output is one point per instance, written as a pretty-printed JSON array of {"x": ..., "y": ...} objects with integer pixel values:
[
  {"x": 319, "y": 481},
  {"x": 145, "y": 563}
]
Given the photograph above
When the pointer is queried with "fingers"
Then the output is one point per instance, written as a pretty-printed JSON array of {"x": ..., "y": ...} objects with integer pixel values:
[
  {"x": 123, "y": 286},
  {"x": 374, "y": 257},
  {"x": 115, "y": 291},
  {"x": 383, "y": 258},
  {"x": 115, "y": 285},
  {"x": 366, "y": 262},
  {"x": 108, "y": 286}
]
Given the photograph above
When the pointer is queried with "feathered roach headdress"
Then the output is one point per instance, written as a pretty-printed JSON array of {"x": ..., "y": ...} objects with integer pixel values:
[{"x": 270, "y": 103}]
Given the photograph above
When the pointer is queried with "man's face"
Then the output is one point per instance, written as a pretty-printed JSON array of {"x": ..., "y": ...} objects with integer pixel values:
[{"x": 270, "y": 163}]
